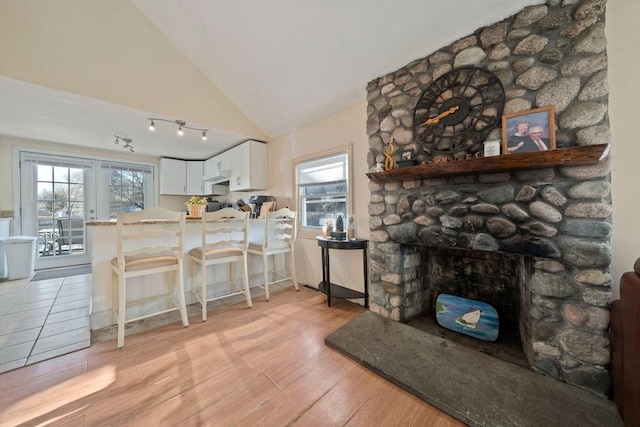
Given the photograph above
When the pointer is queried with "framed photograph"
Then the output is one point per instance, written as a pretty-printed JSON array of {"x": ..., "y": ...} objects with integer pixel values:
[{"x": 529, "y": 131}]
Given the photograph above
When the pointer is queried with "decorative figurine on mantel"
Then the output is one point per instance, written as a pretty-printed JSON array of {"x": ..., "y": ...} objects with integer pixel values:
[
  {"x": 407, "y": 159},
  {"x": 389, "y": 149}
]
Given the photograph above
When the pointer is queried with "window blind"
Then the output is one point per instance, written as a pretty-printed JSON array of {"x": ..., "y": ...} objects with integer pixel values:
[
  {"x": 323, "y": 170},
  {"x": 64, "y": 162},
  {"x": 126, "y": 167}
]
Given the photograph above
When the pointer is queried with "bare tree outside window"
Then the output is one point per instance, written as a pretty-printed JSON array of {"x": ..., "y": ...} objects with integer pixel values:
[{"x": 126, "y": 191}]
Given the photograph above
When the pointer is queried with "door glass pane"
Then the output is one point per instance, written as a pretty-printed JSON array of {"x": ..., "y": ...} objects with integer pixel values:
[
  {"x": 45, "y": 191},
  {"x": 45, "y": 173},
  {"x": 126, "y": 191},
  {"x": 60, "y": 174},
  {"x": 61, "y": 206}
]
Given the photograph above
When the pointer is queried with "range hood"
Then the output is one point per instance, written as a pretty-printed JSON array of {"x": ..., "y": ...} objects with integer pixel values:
[
  {"x": 215, "y": 189},
  {"x": 218, "y": 177}
]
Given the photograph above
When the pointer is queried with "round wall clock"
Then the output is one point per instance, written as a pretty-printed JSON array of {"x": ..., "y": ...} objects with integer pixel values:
[{"x": 458, "y": 110}]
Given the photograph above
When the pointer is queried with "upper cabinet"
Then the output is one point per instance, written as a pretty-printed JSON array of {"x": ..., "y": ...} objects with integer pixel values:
[
  {"x": 181, "y": 177},
  {"x": 248, "y": 165},
  {"x": 243, "y": 168},
  {"x": 195, "y": 170},
  {"x": 173, "y": 176},
  {"x": 217, "y": 168}
]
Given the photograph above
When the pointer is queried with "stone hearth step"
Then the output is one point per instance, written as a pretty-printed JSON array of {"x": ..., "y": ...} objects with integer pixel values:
[{"x": 473, "y": 387}]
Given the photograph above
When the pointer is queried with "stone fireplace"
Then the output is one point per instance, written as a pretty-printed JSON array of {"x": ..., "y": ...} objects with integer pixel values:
[
  {"x": 541, "y": 222},
  {"x": 498, "y": 279}
]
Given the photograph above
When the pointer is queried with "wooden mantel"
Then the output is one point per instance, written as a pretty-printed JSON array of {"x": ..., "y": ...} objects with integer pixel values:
[{"x": 572, "y": 156}]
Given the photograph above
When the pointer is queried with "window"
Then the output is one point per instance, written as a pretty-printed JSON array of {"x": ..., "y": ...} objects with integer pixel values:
[
  {"x": 128, "y": 187},
  {"x": 322, "y": 188}
]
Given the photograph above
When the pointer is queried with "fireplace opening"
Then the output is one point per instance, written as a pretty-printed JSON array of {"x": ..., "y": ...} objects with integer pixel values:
[{"x": 498, "y": 279}]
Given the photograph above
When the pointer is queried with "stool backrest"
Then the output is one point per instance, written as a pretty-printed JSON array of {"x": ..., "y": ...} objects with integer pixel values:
[
  {"x": 280, "y": 229},
  {"x": 151, "y": 233},
  {"x": 224, "y": 230}
]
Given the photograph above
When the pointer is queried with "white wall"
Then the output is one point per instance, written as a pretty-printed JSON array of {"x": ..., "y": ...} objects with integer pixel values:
[
  {"x": 344, "y": 127},
  {"x": 623, "y": 50},
  {"x": 108, "y": 50}
]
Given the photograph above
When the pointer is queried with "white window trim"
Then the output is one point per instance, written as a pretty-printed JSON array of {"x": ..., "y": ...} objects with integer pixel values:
[{"x": 312, "y": 232}]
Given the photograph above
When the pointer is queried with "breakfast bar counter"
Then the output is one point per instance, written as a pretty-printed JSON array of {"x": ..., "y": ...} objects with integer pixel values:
[{"x": 104, "y": 248}]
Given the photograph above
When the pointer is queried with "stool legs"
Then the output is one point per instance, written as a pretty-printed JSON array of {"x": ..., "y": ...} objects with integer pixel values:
[
  {"x": 292, "y": 268},
  {"x": 203, "y": 297},
  {"x": 122, "y": 309},
  {"x": 245, "y": 280},
  {"x": 182, "y": 305},
  {"x": 265, "y": 266}
]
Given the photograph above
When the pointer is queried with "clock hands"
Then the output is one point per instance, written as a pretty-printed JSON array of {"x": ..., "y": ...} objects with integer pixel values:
[{"x": 436, "y": 119}]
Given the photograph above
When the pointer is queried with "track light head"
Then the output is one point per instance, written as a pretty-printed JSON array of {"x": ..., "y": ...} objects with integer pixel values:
[
  {"x": 181, "y": 125},
  {"x": 127, "y": 143}
]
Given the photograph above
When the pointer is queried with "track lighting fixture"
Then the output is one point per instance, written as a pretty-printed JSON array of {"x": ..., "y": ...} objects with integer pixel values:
[
  {"x": 181, "y": 124},
  {"x": 127, "y": 143}
]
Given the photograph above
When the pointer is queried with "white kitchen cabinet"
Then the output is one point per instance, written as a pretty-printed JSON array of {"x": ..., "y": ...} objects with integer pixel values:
[
  {"x": 208, "y": 167},
  {"x": 173, "y": 176},
  {"x": 194, "y": 173},
  {"x": 248, "y": 163},
  {"x": 216, "y": 169},
  {"x": 181, "y": 177}
]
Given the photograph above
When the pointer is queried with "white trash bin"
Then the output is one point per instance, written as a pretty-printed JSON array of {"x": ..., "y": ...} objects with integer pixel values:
[
  {"x": 20, "y": 253},
  {"x": 4, "y": 232}
]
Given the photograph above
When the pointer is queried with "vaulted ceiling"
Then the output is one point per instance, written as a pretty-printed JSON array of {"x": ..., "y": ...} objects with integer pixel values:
[{"x": 280, "y": 63}]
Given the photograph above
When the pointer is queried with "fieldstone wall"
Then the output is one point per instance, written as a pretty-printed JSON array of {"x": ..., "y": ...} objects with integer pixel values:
[{"x": 552, "y": 54}]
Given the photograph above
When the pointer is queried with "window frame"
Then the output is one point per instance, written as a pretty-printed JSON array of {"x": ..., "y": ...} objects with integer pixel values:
[
  {"x": 105, "y": 167},
  {"x": 313, "y": 231}
]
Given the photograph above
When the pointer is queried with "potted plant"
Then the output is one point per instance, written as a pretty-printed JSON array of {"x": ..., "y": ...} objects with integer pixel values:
[{"x": 196, "y": 205}]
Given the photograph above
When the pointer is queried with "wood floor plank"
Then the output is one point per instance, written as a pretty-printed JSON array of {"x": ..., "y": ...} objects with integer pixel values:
[
  {"x": 265, "y": 365},
  {"x": 340, "y": 404},
  {"x": 291, "y": 403}
]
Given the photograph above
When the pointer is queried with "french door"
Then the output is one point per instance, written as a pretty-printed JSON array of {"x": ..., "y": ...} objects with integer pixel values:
[{"x": 57, "y": 197}]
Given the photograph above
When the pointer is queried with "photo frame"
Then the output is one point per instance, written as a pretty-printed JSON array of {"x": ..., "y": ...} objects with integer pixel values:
[{"x": 517, "y": 135}]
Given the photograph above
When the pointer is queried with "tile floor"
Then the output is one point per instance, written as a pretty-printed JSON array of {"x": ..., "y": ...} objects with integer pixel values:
[{"x": 43, "y": 319}]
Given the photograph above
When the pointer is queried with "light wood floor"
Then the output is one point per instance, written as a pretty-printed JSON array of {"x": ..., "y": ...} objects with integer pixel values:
[{"x": 267, "y": 365}]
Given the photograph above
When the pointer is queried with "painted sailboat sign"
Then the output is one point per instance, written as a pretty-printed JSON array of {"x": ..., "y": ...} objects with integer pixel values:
[{"x": 474, "y": 318}]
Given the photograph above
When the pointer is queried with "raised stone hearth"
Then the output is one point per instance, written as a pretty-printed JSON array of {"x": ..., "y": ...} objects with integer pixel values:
[
  {"x": 475, "y": 388},
  {"x": 555, "y": 216}
]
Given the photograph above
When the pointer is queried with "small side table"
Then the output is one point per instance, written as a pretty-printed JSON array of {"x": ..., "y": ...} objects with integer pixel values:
[{"x": 337, "y": 291}]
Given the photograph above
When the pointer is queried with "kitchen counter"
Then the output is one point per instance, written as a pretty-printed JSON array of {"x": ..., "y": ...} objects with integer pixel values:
[
  {"x": 104, "y": 249},
  {"x": 108, "y": 222}
]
